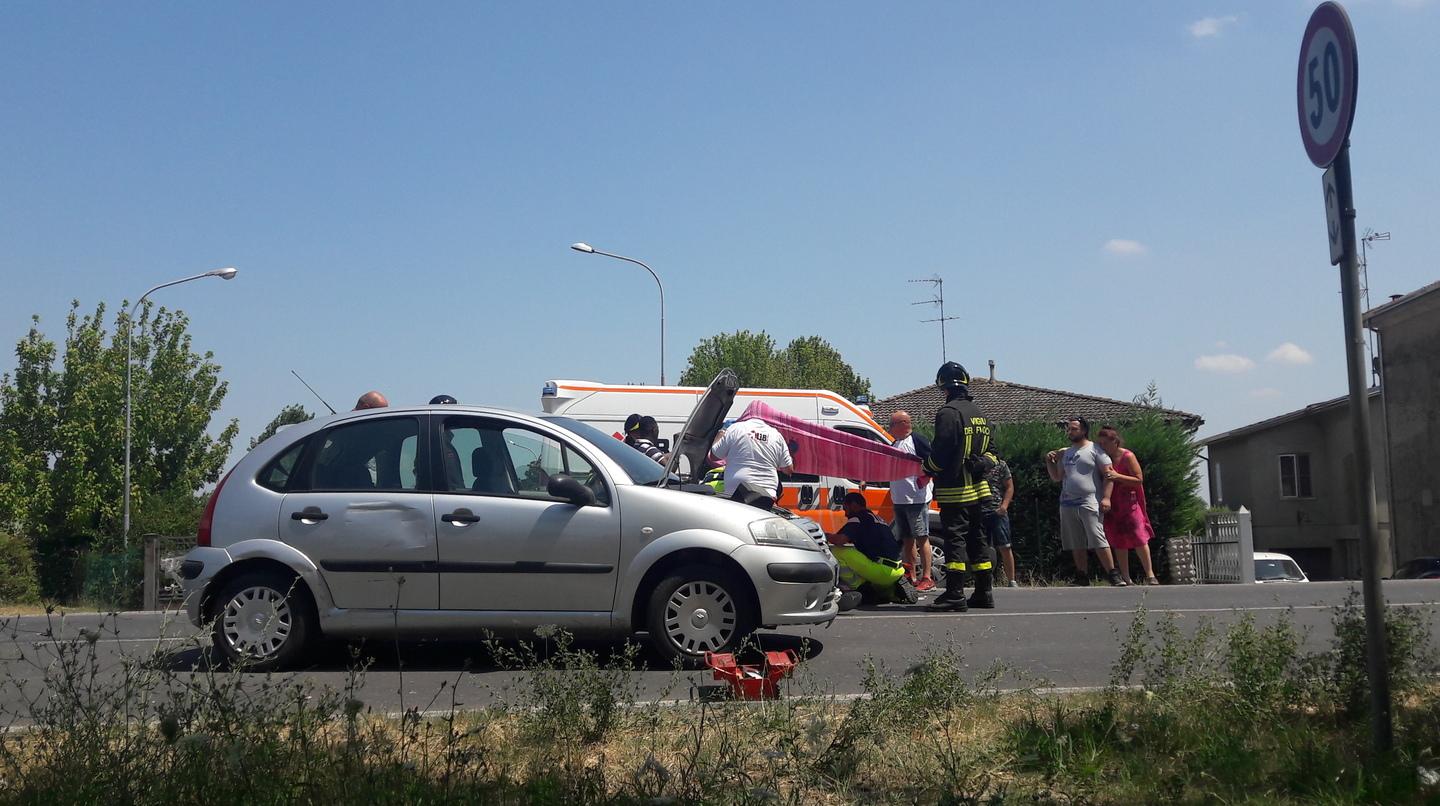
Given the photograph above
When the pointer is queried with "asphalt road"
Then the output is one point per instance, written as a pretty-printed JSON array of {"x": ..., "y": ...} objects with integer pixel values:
[{"x": 1062, "y": 637}]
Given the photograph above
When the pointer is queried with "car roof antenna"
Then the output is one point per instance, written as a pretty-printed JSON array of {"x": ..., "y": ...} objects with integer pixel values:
[{"x": 312, "y": 391}]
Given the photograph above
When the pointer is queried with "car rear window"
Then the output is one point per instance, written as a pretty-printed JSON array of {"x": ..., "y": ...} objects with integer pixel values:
[{"x": 277, "y": 475}]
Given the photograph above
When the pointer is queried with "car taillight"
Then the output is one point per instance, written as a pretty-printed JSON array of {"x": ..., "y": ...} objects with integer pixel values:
[{"x": 202, "y": 537}]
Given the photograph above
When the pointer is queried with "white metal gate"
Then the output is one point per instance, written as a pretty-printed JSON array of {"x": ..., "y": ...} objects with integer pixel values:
[{"x": 1226, "y": 551}]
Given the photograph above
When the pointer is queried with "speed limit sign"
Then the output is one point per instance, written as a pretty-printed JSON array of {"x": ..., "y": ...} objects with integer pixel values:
[{"x": 1325, "y": 86}]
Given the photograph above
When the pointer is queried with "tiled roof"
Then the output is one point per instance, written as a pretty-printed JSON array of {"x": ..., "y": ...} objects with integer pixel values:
[
  {"x": 1289, "y": 417},
  {"x": 1006, "y": 402},
  {"x": 1377, "y": 316}
]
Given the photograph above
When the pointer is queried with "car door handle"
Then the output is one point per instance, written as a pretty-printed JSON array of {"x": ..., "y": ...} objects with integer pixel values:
[
  {"x": 308, "y": 514},
  {"x": 461, "y": 516}
]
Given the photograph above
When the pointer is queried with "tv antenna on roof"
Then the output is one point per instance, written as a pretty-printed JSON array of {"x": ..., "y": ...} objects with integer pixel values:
[
  {"x": 939, "y": 300},
  {"x": 1370, "y": 237}
]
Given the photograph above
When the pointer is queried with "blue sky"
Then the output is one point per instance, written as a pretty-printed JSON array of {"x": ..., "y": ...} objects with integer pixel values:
[{"x": 1114, "y": 193}]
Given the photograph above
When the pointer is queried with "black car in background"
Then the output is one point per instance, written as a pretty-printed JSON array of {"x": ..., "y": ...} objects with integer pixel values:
[{"x": 1419, "y": 568}]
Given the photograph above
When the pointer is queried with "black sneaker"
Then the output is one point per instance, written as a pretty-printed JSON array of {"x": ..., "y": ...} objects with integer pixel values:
[
  {"x": 1080, "y": 581},
  {"x": 849, "y": 600},
  {"x": 1117, "y": 580},
  {"x": 905, "y": 592},
  {"x": 952, "y": 600}
]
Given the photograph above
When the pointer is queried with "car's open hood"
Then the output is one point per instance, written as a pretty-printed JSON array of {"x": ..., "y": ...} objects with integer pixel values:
[{"x": 695, "y": 440}]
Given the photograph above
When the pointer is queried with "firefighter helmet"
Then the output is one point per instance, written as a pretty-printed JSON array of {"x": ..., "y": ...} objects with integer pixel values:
[{"x": 951, "y": 375}]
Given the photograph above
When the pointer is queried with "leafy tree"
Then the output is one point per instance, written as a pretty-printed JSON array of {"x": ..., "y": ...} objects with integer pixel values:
[
  {"x": 27, "y": 426},
  {"x": 811, "y": 363},
  {"x": 808, "y": 362},
  {"x": 290, "y": 415},
  {"x": 751, "y": 355},
  {"x": 62, "y": 444}
]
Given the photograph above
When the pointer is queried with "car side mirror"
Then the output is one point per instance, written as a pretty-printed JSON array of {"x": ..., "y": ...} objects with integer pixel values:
[
  {"x": 837, "y": 497},
  {"x": 570, "y": 489}
]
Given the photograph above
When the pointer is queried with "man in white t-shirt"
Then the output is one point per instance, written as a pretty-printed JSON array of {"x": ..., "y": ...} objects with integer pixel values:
[
  {"x": 755, "y": 455},
  {"x": 911, "y": 497}
]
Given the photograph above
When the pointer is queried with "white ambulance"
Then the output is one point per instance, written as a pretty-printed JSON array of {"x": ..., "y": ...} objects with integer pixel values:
[{"x": 606, "y": 406}]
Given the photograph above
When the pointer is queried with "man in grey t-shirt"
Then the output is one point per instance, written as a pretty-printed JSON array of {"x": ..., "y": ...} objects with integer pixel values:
[{"x": 1084, "y": 473}]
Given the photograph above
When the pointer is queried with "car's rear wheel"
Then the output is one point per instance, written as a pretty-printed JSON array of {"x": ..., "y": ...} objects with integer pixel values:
[
  {"x": 263, "y": 622},
  {"x": 698, "y": 609}
]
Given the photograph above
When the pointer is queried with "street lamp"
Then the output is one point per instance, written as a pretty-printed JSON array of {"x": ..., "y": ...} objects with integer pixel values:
[
  {"x": 590, "y": 250},
  {"x": 223, "y": 274}
]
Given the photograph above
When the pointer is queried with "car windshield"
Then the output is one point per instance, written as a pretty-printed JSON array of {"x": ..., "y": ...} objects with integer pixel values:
[
  {"x": 1277, "y": 569},
  {"x": 640, "y": 468}
]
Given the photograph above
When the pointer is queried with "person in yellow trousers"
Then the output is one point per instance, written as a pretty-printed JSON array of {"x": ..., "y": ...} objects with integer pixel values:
[
  {"x": 960, "y": 457},
  {"x": 869, "y": 555}
]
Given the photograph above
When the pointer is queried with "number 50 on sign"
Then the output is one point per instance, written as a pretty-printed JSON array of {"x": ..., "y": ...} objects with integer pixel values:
[{"x": 1325, "y": 84}]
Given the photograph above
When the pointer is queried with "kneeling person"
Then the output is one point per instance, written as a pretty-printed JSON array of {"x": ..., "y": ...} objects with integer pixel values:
[{"x": 869, "y": 555}]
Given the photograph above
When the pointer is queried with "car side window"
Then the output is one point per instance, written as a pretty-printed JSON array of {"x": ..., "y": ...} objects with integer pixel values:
[
  {"x": 378, "y": 454},
  {"x": 276, "y": 475},
  {"x": 494, "y": 458},
  {"x": 537, "y": 457}
]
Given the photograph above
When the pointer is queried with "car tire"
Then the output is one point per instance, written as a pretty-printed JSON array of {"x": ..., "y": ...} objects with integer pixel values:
[
  {"x": 698, "y": 609},
  {"x": 263, "y": 622},
  {"x": 937, "y": 563}
]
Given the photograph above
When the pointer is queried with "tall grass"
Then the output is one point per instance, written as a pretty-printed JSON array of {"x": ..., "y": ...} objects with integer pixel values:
[{"x": 1193, "y": 713}]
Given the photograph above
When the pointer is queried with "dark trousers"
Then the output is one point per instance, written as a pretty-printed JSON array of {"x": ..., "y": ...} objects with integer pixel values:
[
  {"x": 752, "y": 496},
  {"x": 962, "y": 529}
]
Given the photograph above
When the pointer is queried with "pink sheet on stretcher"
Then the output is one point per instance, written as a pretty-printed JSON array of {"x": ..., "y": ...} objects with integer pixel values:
[{"x": 824, "y": 451}]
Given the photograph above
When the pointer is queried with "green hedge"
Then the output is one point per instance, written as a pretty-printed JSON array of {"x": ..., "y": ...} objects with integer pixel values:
[
  {"x": 114, "y": 580},
  {"x": 18, "y": 583},
  {"x": 1166, "y": 452}
]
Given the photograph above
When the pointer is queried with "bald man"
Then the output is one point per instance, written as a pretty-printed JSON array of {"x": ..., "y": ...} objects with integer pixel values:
[
  {"x": 371, "y": 400},
  {"x": 911, "y": 497}
]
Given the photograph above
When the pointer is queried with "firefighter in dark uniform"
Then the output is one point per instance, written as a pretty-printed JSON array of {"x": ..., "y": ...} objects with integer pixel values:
[{"x": 959, "y": 458}]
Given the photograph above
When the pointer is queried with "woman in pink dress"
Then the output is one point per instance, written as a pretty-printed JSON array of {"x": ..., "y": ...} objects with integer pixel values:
[{"x": 1127, "y": 524}]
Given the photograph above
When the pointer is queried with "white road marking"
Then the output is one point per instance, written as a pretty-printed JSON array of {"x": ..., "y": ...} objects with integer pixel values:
[{"x": 1130, "y": 612}]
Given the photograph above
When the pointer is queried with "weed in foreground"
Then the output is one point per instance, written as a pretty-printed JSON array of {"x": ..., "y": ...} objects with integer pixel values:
[{"x": 1235, "y": 715}]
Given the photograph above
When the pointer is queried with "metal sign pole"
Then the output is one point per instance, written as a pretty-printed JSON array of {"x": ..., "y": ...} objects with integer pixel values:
[
  {"x": 1325, "y": 85},
  {"x": 1373, "y": 550}
]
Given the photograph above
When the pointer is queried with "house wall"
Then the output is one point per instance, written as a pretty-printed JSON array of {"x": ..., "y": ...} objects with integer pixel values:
[
  {"x": 1322, "y": 529},
  {"x": 1410, "y": 371}
]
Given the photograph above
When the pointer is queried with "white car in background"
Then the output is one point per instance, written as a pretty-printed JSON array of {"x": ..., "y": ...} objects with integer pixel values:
[{"x": 1272, "y": 567}]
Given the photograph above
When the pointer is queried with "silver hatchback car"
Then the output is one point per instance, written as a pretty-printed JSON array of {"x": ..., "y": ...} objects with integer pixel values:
[{"x": 448, "y": 521}]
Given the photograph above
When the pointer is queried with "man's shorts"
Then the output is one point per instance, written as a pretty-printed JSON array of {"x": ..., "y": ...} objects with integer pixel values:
[
  {"x": 912, "y": 521},
  {"x": 1082, "y": 528},
  {"x": 997, "y": 526}
]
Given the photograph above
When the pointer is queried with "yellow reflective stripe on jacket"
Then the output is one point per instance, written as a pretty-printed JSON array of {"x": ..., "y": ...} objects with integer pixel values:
[{"x": 969, "y": 494}]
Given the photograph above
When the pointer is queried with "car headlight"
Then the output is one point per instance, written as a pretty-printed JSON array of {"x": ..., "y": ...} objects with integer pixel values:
[{"x": 781, "y": 532}]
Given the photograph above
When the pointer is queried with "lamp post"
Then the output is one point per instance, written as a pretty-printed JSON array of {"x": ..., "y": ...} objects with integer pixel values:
[
  {"x": 224, "y": 274},
  {"x": 590, "y": 250}
]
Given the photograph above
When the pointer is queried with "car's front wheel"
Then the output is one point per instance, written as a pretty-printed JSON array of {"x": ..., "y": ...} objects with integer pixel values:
[
  {"x": 263, "y": 622},
  {"x": 698, "y": 609}
]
